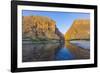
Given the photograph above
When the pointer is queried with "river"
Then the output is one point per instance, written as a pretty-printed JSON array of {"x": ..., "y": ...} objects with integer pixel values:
[{"x": 71, "y": 50}]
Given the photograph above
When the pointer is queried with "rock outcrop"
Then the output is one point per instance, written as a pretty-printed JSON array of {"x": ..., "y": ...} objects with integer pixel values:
[
  {"x": 80, "y": 29},
  {"x": 40, "y": 27}
]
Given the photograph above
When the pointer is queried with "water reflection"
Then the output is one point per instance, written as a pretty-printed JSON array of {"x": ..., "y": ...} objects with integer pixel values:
[
  {"x": 39, "y": 52},
  {"x": 80, "y": 53},
  {"x": 64, "y": 54},
  {"x": 52, "y": 51}
]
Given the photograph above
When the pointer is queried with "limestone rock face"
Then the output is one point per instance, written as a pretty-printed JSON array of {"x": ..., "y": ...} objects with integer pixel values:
[
  {"x": 39, "y": 27},
  {"x": 80, "y": 29}
]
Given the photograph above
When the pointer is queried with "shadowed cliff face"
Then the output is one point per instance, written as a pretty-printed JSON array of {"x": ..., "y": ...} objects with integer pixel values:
[
  {"x": 80, "y": 29},
  {"x": 40, "y": 27}
]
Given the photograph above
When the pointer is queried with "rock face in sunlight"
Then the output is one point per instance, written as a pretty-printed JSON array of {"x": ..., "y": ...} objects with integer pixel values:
[
  {"x": 80, "y": 29},
  {"x": 40, "y": 27}
]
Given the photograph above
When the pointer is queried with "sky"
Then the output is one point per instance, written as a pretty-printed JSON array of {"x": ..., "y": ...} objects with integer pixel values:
[{"x": 63, "y": 20}]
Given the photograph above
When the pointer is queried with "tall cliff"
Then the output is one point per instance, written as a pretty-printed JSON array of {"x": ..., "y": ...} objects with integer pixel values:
[
  {"x": 80, "y": 29},
  {"x": 40, "y": 27}
]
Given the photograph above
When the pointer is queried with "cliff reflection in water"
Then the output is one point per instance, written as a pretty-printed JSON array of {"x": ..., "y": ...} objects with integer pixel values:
[{"x": 52, "y": 52}]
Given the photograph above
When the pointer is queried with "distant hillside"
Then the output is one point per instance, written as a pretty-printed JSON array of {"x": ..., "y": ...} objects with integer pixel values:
[
  {"x": 80, "y": 29},
  {"x": 40, "y": 27}
]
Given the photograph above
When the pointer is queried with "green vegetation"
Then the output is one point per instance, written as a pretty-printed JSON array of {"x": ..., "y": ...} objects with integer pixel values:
[
  {"x": 39, "y": 40},
  {"x": 77, "y": 39}
]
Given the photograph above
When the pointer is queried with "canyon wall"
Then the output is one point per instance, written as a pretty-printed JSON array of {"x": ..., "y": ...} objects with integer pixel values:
[
  {"x": 80, "y": 29},
  {"x": 40, "y": 27}
]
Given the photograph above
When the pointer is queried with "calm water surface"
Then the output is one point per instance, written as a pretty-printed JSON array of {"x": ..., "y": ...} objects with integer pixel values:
[{"x": 53, "y": 51}]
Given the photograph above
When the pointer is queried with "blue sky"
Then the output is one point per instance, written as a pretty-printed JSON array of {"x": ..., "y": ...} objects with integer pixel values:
[{"x": 63, "y": 20}]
